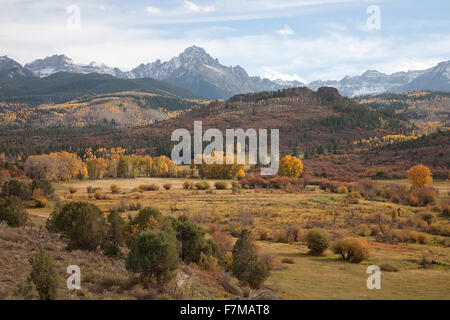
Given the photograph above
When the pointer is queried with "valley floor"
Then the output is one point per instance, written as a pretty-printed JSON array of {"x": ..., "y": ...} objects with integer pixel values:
[{"x": 296, "y": 275}]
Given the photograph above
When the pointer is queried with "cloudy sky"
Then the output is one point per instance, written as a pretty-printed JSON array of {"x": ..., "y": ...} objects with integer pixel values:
[{"x": 288, "y": 39}]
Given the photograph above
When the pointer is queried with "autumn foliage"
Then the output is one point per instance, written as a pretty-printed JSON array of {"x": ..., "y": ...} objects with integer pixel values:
[
  {"x": 290, "y": 166},
  {"x": 420, "y": 176}
]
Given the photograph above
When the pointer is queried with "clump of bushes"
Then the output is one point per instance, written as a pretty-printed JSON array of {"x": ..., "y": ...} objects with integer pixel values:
[
  {"x": 203, "y": 185},
  {"x": 115, "y": 234},
  {"x": 98, "y": 194},
  {"x": 72, "y": 189},
  {"x": 44, "y": 275},
  {"x": 247, "y": 266},
  {"x": 289, "y": 234},
  {"x": 44, "y": 185},
  {"x": 153, "y": 256},
  {"x": 221, "y": 185},
  {"x": 167, "y": 186},
  {"x": 12, "y": 212},
  {"x": 188, "y": 185},
  {"x": 128, "y": 205},
  {"x": 82, "y": 223},
  {"x": 207, "y": 262},
  {"x": 17, "y": 188},
  {"x": 317, "y": 241},
  {"x": 351, "y": 249},
  {"x": 149, "y": 187},
  {"x": 40, "y": 202},
  {"x": 114, "y": 188},
  {"x": 253, "y": 181},
  {"x": 414, "y": 196}
]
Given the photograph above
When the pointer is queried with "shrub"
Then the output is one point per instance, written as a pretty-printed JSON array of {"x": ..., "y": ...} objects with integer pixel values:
[
  {"x": 40, "y": 202},
  {"x": 221, "y": 185},
  {"x": 288, "y": 235},
  {"x": 115, "y": 234},
  {"x": 388, "y": 268},
  {"x": 247, "y": 267},
  {"x": 128, "y": 205},
  {"x": 422, "y": 196},
  {"x": 44, "y": 275},
  {"x": 207, "y": 262},
  {"x": 188, "y": 185},
  {"x": 287, "y": 260},
  {"x": 444, "y": 209},
  {"x": 44, "y": 185},
  {"x": 83, "y": 224},
  {"x": 317, "y": 241},
  {"x": 12, "y": 212},
  {"x": 90, "y": 189},
  {"x": 154, "y": 256},
  {"x": 98, "y": 194},
  {"x": 342, "y": 189},
  {"x": 351, "y": 249},
  {"x": 149, "y": 187},
  {"x": 72, "y": 189},
  {"x": 114, "y": 188},
  {"x": 167, "y": 186},
  {"x": 18, "y": 189},
  {"x": 264, "y": 234},
  {"x": 191, "y": 237},
  {"x": 202, "y": 185}
]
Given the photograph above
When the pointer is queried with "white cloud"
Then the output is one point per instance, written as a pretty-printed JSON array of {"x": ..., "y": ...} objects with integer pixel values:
[
  {"x": 153, "y": 10},
  {"x": 286, "y": 31},
  {"x": 275, "y": 75},
  {"x": 196, "y": 8}
]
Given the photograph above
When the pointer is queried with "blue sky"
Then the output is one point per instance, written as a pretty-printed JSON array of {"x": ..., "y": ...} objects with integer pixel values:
[{"x": 289, "y": 39}]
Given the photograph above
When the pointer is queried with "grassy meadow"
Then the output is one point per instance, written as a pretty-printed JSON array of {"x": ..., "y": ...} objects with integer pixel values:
[{"x": 295, "y": 274}]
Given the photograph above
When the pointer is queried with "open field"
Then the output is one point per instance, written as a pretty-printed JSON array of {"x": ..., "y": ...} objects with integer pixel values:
[{"x": 305, "y": 277}]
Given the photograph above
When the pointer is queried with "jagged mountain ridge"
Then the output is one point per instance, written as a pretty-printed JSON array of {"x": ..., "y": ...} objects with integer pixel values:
[
  {"x": 433, "y": 79},
  {"x": 370, "y": 82},
  {"x": 12, "y": 70},
  {"x": 61, "y": 63},
  {"x": 195, "y": 70}
]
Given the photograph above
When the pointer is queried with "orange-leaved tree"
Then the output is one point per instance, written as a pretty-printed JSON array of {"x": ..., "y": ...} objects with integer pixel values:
[
  {"x": 290, "y": 166},
  {"x": 419, "y": 176}
]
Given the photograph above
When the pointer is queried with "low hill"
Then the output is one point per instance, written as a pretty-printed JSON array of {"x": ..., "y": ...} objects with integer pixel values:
[
  {"x": 306, "y": 119},
  {"x": 62, "y": 87}
]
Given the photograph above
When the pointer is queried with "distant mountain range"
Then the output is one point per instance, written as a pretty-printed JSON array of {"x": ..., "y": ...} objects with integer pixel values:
[
  {"x": 195, "y": 70},
  {"x": 374, "y": 82}
]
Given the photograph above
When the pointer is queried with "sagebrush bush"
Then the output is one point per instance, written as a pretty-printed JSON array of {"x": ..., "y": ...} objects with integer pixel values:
[
  {"x": 98, "y": 194},
  {"x": 188, "y": 185},
  {"x": 149, "y": 187},
  {"x": 72, "y": 189},
  {"x": 207, "y": 262},
  {"x": 167, "y": 186},
  {"x": 12, "y": 212},
  {"x": 317, "y": 241},
  {"x": 83, "y": 224},
  {"x": 17, "y": 188},
  {"x": 44, "y": 275},
  {"x": 352, "y": 249},
  {"x": 221, "y": 185},
  {"x": 203, "y": 185},
  {"x": 114, "y": 188},
  {"x": 40, "y": 202}
]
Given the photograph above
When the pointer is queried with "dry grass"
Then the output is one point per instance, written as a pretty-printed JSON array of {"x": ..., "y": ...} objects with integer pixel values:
[{"x": 304, "y": 277}]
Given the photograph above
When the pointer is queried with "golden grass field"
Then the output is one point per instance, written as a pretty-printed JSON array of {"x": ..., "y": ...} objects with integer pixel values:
[{"x": 307, "y": 277}]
